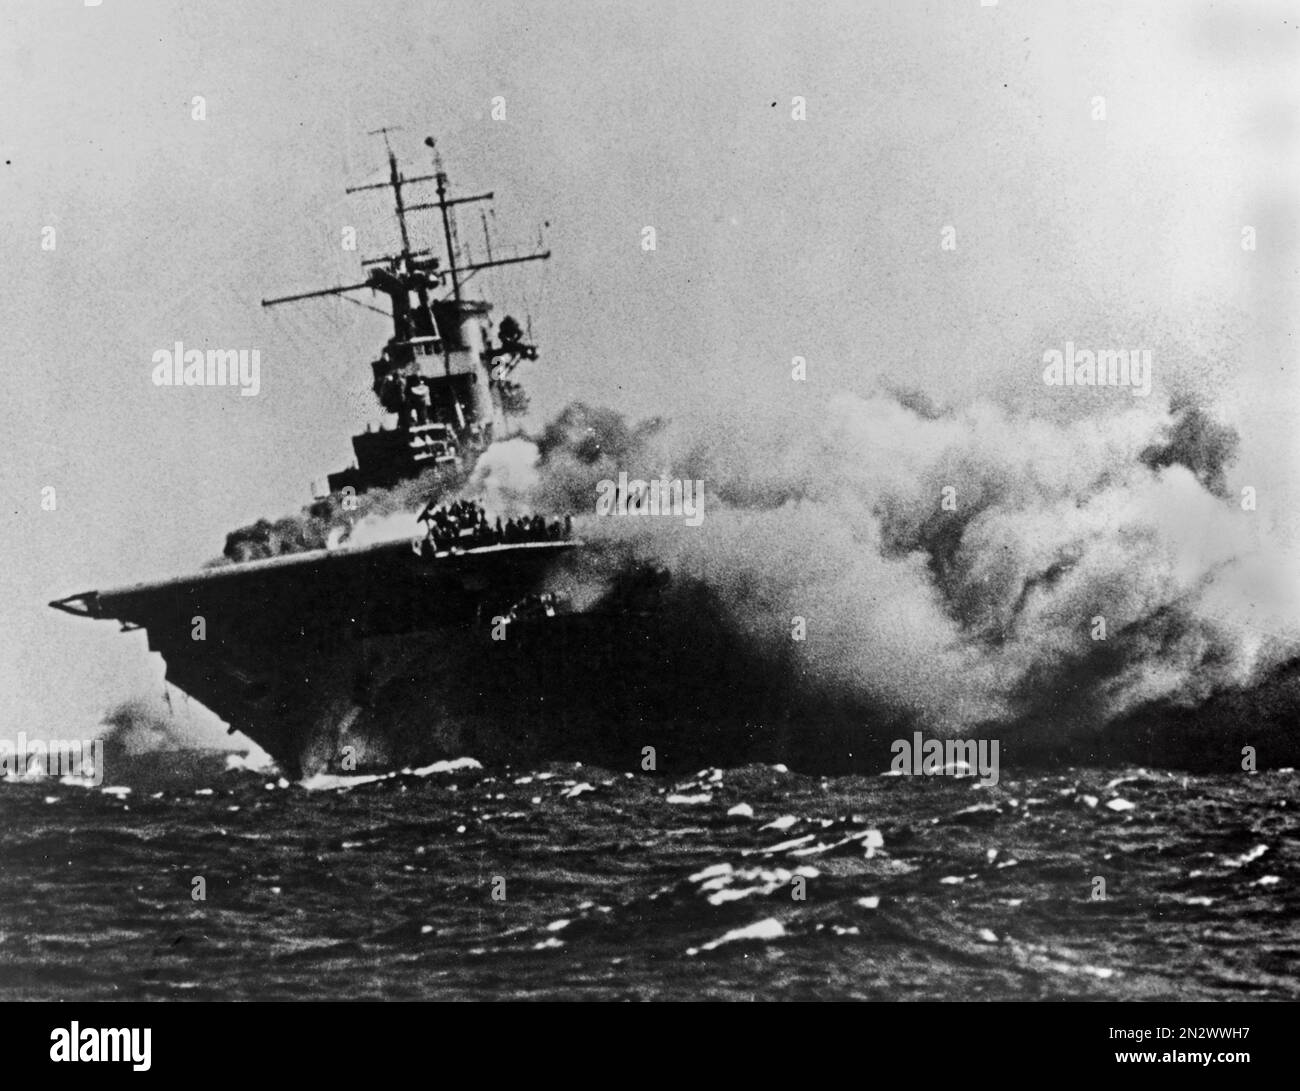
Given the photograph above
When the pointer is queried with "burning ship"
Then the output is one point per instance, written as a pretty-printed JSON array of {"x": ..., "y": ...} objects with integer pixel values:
[
  {"x": 458, "y": 642},
  {"x": 490, "y": 641}
]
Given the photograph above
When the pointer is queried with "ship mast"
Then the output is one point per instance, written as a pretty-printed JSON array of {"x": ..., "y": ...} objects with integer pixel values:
[
  {"x": 444, "y": 204},
  {"x": 431, "y": 316},
  {"x": 414, "y": 269},
  {"x": 446, "y": 218}
]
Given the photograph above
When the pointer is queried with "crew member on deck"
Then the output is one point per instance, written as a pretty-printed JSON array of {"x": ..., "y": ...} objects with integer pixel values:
[
  {"x": 420, "y": 399},
  {"x": 395, "y": 400}
]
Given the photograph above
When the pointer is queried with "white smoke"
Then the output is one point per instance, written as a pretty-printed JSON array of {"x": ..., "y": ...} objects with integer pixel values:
[
  {"x": 962, "y": 566},
  {"x": 505, "y": 478},
  {"x": 389, "y": 527}
]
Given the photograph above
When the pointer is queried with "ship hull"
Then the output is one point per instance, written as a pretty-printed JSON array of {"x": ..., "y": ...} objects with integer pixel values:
[
  {"x": 366, "y": 657},
  {"x": 383, "y": 656}
]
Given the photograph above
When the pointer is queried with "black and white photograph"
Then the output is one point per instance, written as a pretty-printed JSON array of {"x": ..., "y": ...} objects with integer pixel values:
[{"x": 741, "y": 501}]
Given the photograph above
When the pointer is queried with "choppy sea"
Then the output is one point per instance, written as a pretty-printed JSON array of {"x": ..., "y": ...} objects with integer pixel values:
[{"x": 575, "y": 882}]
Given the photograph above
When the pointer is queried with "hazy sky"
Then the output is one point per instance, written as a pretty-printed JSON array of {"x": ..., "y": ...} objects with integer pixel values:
[{"x": 775, "y": 237}]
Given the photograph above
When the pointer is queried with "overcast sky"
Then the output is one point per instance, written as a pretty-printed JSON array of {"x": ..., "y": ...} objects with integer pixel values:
[{"x": 775, "y": 237}]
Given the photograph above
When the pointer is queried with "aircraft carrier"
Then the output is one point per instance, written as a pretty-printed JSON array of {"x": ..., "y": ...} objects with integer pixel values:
[
  {"x": 466, "y": 640},
  {"x": 462, "y": 640}
]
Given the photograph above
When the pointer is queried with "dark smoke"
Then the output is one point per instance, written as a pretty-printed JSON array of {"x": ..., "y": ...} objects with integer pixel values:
[
  {"x": 153, "y": 743},
  {"x": 1193, "y": 439},
  {"x": 142, "y": 725},
  {"x": 331, "y": 520}
]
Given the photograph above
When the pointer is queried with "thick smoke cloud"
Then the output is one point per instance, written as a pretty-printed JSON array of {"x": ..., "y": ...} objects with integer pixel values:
[
  {"x": 959, "y": 567},
  {"x": 1077, "y": 572}
]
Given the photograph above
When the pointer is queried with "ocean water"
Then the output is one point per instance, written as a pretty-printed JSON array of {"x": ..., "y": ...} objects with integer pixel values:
[{"x": 752, "y": 883}]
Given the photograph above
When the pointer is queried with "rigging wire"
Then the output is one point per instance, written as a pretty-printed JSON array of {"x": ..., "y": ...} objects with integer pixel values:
[{"x": 367, "y": 306}]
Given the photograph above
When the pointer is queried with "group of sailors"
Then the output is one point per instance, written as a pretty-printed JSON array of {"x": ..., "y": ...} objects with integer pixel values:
[{"x": 464, "y": 524}]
